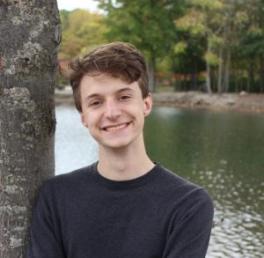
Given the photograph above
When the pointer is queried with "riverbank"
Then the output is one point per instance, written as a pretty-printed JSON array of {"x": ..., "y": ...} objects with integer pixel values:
[{"x": 242, "y": 102}]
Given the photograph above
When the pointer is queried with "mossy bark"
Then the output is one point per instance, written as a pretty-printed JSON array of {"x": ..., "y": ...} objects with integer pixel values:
[{"x": 29, "y": 39}]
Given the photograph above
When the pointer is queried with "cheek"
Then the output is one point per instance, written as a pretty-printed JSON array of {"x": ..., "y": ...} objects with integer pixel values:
[
  {"x": 137, "y": 113},
  {"x": 86, "y": 120}
]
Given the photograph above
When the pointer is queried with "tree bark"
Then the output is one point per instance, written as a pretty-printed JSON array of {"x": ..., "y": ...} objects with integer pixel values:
[
  {"x": 208, "y": 78},
  {"x": 251, "y": 76},
  {"x": 29, "y": 39},
  {"x": 227, "y": 70},
  {"x": 261, "y": 73},
  {"x": 220, "y": 71},
  {"x": 194, "y": 76},
  {"x": 151, "y": 73},
  {"x": 208, "y": 72}
]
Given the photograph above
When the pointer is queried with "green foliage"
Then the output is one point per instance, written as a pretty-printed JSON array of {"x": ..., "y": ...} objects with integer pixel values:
[
  {"x": 81, "y": 31},
  {"x": 145, "y": 23},
  {"x": 148, "y": 24},
  {"x": 192, "y": 22},
  {"x": 180, "y": 48},
  {"x": 211, "y": 5},
  {"x": 179, "y": 37},
  {"x": 212, "y": 58}
]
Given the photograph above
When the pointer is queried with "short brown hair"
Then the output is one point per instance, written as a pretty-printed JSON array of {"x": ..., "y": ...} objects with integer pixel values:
[{"x": 117, "y": 59}]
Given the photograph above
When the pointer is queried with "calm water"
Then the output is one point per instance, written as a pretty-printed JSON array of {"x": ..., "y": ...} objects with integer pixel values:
[{"x": 224, "y": 152}]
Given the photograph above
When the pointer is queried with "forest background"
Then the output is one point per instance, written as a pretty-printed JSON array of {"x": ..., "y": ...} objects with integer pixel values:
[{"x": 202, "y": 45}]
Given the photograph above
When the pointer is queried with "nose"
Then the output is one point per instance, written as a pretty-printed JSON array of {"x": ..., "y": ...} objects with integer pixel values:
[{"x": 112, "y": 110}]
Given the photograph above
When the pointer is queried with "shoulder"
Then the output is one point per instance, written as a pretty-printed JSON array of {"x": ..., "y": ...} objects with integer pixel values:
[
  {"x": 69, "y": 182},
  {"x": 173, "y": 181},
  {"x": 57, "y": 192},
  {"x": 182, "y": 192}
]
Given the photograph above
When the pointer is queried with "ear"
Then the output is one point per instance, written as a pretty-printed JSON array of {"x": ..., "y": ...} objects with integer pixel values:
[
  {"x": 147, "y": 105},
  {"x": 83, "y": 121}
]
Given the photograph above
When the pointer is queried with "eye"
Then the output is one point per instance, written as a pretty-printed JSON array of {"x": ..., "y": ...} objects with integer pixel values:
[
  {"x": 125, "y": 97},
  {"x": 95, "y": 103}
]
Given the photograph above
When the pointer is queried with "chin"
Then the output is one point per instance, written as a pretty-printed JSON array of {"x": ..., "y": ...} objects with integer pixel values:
[
  {"x": 119, "y": 143},
  {"x": 116, "y": 145}
]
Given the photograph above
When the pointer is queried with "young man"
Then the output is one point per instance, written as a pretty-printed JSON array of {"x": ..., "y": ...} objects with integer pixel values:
[{"x": 124, "y": 205}]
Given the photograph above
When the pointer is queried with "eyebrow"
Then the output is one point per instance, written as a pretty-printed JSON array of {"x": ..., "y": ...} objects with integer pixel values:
[
  {"x": 125, "y": 89},
  {"x": 91, "y": 96},
  {"x": 96, "y": 95}
]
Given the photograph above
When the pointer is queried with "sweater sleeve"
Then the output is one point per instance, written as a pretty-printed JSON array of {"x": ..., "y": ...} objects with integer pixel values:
[
  {"x": 45, "y": 240},
  {"x": 189, "y": 233}
]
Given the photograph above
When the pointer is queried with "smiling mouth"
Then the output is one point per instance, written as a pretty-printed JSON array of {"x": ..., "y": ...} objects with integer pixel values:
[{"x": 114, "y": 128}]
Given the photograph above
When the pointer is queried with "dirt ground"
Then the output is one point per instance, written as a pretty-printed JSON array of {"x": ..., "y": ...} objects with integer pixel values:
[{"x": 242, "y": 102}]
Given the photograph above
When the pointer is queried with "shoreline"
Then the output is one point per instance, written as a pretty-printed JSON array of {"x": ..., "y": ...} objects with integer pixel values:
[{"x": 237, "y": 102}]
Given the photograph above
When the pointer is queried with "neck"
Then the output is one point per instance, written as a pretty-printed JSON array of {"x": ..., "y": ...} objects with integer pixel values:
[{"x": 124, "y": 163}]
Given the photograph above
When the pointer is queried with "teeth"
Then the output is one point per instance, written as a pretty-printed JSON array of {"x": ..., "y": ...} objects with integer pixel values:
[{"x": 115, "y": 127}]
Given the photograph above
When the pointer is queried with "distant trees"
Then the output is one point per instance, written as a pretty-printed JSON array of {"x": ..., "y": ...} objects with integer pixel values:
[
  {"x": 232, "y": 32},
  {"x": 249, "y": 46},
  {"x": 210, "y": 45},
  {"x": 147, "y": 24},
  {"x": 81, "y": 31}
]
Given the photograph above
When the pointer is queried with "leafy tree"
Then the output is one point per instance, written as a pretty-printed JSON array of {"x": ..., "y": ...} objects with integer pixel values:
[
  {"x": 222, "y": 37},
  {"x": 187, "y": 58},
  {"x": 234, "y": 38},
  {"x": 81, "y": 31},
  {"x": 147, "y": 24},
  {"x": 249, "y": 50},
  {"x": 203, "y": 18}
]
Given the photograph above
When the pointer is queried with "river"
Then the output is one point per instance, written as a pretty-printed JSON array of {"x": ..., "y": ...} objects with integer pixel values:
[{"x": 221, "y": 151}]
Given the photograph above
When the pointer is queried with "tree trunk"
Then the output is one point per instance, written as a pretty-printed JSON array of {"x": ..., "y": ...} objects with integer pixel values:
[
  {"x": 220, "y": 71},
  {"x": 236, "y": 76},
  {"x": 151, "y": 73},
  {"x": 208, "y": 78},
  {"x": 28, "y": 52},
  {"x": 194, "y": 77},
  {"x": 261, "y": 73},
  {"x": 227, "y": 70},
  {"x": 208, "y": 73},
  {"x": 251, "y": 79}
]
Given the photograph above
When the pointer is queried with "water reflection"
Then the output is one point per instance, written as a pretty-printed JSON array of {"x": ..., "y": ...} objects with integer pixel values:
[
  {"x": 74, "y": 147},
  {"x": 221, "y": 151},
  {"x": 224, "y": 153}
]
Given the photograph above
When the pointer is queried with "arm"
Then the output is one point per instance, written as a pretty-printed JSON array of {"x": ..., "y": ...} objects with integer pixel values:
[
  {"x": 189, "y": 233},
  {"x": 45, "y": 240}
]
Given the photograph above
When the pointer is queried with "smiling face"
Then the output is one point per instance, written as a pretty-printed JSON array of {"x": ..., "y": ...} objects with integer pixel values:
[{"x": 113, "y": 110}]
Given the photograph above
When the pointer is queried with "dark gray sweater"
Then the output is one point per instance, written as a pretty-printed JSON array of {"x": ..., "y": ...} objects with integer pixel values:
[{"x": 84, "y": 215}]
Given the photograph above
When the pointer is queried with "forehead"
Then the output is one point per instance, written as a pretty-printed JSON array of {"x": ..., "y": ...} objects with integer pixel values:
[{"x": 105, "y": 84}]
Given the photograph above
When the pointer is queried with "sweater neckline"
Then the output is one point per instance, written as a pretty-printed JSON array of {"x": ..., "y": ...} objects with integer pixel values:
[{"x": 125, "y": 184}]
